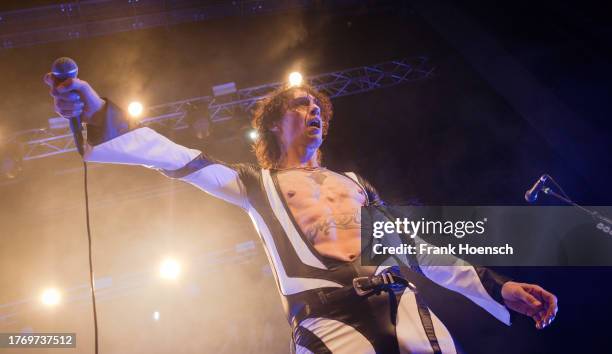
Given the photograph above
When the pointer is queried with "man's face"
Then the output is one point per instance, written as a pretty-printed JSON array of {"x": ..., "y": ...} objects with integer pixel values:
[{"x": 301, "y": 124}]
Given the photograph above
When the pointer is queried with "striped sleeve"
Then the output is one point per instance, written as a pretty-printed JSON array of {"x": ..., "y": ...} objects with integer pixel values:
[
  {"x": 479, "y": 284},
  {"x": 114, "y": 139}
]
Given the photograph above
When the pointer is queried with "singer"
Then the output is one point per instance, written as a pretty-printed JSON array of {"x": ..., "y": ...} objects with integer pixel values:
[{"x": 308, "y": 218}]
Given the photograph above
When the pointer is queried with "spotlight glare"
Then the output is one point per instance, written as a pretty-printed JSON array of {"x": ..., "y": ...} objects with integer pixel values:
[
  {"x": 169, "y": 269},
  {"x": 156, "y": 315},
  {"x": 135, "y": 109},
  {"x": 295, "y": 79},
  {"x": 253, "y": 135},
  {"x": 50, "y": 297}
]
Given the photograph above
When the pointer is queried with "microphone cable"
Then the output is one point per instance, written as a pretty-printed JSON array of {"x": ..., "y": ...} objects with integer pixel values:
[
  {"x": 91, "y": 276},
  {"x": 62, "y": 69}
]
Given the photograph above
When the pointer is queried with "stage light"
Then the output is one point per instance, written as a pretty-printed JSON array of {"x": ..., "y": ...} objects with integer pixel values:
[
  {"x": 253, "y": 135},
  {"x": 58, "y": 123},
  {"x": 295, "y": 79},
  {"x": 224, "y": 89},
  {"x": 51, "y": 297},
  {"x": 156, "y": 315},
  {"x": 135, "y": 109},
  {"x": 169, "y": 269}
]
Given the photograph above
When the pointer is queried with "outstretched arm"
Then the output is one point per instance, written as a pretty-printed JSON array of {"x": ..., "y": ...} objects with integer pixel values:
[
  {"x": 494, "y": 292},
  {"x": 491, "y": 291},
  {"x": 531, "y": 300},
  {"x": 113, "y": 138}
]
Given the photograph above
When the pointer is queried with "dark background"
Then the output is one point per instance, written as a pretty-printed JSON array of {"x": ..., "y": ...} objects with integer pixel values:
[{"x": 457, "y": 138}]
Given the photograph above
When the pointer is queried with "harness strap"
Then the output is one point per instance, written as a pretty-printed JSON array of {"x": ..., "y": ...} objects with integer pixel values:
[
  {"x": 423, "y": 309},
  {"x": 361, "y": 287}
]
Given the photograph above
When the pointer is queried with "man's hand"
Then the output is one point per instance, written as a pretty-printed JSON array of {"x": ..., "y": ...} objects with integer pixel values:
[
  {"x": 531, "y": 300},
  {"x": 74, "y": 97}
]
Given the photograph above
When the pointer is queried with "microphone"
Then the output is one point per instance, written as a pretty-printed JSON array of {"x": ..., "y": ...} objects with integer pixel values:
[
  {"x": 532, "y": 194},
  {"x": 66, "y": 68}
]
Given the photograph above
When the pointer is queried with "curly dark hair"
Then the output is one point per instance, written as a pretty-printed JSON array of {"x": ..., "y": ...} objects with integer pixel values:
[{"x": 270, "y": 110}]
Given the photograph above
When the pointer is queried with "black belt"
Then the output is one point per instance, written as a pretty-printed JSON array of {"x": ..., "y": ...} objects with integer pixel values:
[
  {"x": 366, "y": 286},
  {"x": 362, "y": 287},
  {"x": 382, "y": 282}
]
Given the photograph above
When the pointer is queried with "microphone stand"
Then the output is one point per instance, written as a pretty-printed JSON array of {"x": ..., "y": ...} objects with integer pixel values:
[{"x": 604, "y": 222}]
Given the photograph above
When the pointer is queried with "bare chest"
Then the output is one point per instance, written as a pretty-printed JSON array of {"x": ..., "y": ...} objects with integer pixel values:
[
  {"x": 320, "y": 189},
  {"x": 326, "y": 207}
]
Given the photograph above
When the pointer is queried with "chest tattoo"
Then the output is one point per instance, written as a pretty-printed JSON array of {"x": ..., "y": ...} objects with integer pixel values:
[
  {"x": 318, "y": 177},
  {"x": 334, "y": 221}
]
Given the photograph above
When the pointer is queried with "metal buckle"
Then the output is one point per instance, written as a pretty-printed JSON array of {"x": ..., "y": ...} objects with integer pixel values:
[
  {"x": 387, "y": 278},
  {"x": 357, "y": 286}
]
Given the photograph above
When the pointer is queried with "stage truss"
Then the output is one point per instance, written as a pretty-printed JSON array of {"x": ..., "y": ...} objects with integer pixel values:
[{"x": 41, "y": 143}]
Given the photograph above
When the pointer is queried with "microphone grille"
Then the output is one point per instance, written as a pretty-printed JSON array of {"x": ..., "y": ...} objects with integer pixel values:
[{"x": 64, "y": 68}]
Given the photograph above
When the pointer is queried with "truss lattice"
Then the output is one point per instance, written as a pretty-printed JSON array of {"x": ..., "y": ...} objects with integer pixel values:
[{"x": 40, "y": 143}]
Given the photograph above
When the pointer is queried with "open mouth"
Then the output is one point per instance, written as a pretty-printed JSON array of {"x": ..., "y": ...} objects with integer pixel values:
[{"x": 314, "y": 123}]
